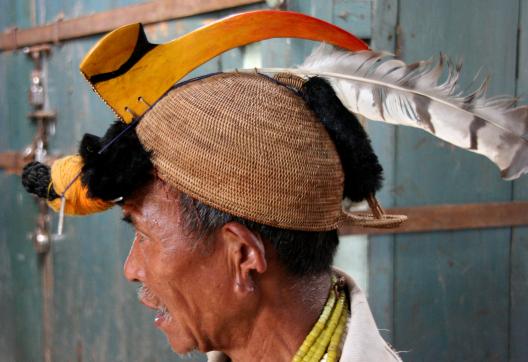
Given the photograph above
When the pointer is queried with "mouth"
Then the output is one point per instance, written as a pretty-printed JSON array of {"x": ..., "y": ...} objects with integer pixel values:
[
  {"x": 162, "y": 316},
  {"x": 148, "y": 299}
]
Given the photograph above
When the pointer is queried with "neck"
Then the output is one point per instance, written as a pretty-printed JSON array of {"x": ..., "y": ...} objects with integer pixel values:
[{"x": 288, "y": 312}]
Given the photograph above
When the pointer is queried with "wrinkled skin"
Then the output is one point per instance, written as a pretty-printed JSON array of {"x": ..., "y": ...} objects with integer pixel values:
[{"x": 228, "y": 293}]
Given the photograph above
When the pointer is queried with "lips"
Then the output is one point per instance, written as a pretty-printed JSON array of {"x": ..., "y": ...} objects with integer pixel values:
[
  {"x": 162, "y": 314},
  {"x": 148, "y": 305},
  {"x": 159, "y": 319}
]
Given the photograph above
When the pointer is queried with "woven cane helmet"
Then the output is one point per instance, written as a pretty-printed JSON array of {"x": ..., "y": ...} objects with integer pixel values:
[{"x": 249, "y": 146}]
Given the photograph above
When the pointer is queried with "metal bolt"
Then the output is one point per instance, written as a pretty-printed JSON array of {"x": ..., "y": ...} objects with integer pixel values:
[{"x": 41, "y": 242}]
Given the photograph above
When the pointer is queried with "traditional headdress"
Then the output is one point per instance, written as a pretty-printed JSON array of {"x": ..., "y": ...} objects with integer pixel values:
[{"x": 281, "y": 147}]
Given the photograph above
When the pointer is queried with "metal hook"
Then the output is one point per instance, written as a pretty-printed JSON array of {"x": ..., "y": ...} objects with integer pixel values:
[
  {"x": 61, "y": 216},
  {"x": 134, "y": 115},
  {"x": 142, "y": 100},
  {"x": 117, "y": 199}
]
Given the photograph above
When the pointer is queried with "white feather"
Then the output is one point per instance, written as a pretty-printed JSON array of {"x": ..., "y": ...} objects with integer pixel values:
[{"x": 382, "y": 88}]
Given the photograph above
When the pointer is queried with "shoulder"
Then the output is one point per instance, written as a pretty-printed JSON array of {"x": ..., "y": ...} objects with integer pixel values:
[
  {"x": 217, "y": 356},
  {"x": 363, "y": 341}
]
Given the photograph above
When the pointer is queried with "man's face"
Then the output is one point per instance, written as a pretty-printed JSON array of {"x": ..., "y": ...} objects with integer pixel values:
[{"x": 187, "y": 285}]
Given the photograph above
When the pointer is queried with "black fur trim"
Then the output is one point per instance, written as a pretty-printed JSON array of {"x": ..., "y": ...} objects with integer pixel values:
[
  {"x": 363, "y": 173},
  {"x": 120, "y": 169},
  {"x": 36, "y": 178}
]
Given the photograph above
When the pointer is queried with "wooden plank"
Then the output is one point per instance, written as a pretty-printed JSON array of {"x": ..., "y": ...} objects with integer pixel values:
[
  {"x": 519, "y": 289},
  {"x": 452, "y": 288},
  {"x": 7, "y": 291},
  {"x": 51, "y": 10},
  {"x": 12, "y": 161},
  {"x": 451, "y": 217},
  {"x": 519, "y": 243},
  {"x": 21, "y": 334},
  {"x": 383, "y": 137},
  {"x": 23, "y": 330},
  {"x": 146, "y": 13},
  {"x": 355, "y": 16},
  {"x": 20, "y": 13}
]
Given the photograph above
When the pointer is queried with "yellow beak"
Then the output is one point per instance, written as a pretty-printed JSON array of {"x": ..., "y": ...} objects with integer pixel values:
[{"x": 129, "y": 73}]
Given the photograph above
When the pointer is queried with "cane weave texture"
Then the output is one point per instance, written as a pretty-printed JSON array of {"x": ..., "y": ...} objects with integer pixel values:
[{"x": 249, "y": 146}]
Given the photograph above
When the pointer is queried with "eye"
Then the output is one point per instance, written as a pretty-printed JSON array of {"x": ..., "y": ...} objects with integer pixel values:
[{"x": 140, "y": 237}]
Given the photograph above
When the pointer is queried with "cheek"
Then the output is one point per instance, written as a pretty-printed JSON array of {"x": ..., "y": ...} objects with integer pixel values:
[
  {"x": 160, "y": 268},
  {"x": 172, "y": 269},
  {"x": 199, "y": 281},
  {"x": 214, "y": 288}
]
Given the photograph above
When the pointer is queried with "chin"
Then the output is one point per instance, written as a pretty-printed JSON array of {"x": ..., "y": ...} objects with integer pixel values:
[
  {"x": 178, "y": 346},
  {"x": 180, "y": 343}
]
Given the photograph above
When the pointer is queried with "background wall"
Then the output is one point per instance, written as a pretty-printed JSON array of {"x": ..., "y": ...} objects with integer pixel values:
[
  {"x": 454, "y": 296},
  {"x": 449, "y": 296}
]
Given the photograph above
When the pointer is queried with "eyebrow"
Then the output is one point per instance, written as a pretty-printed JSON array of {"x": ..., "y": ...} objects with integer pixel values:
[{"x": 128, "y": 219}]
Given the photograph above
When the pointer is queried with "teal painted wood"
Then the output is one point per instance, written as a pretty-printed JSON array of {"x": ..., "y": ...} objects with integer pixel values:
[
  {"x": 51, "y": 10},
  {"x": 519, "y": 243},
  {"x": 18, "y": 13},
  {"x": 452, "y": 288},
  {"x": 381, "y": 248},
  {"x": 354, "y": 16},
  {"x": 20, "y": 285},
  {"x": 7, "y": 320},
  {"x": 20, "y": 293}
]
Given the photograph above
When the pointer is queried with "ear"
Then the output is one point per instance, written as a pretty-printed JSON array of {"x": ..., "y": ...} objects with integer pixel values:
[{"x": 246, "y": 255}]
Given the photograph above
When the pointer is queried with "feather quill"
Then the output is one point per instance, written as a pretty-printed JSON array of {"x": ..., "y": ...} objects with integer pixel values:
[{"x": 382, "y": 88}]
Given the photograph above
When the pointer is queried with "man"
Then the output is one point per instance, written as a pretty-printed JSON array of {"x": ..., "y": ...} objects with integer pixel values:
[
  {"x": 236, "y": 216},
  {"x": 234, "y": 183},
  {"x": 222, "y": 282}
]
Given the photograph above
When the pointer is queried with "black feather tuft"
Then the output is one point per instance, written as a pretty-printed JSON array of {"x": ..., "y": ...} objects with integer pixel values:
[
  {"x": 36, "y": 179},
  {"x": 118, "y": 170},
  {"x": 363, "y": 173}
]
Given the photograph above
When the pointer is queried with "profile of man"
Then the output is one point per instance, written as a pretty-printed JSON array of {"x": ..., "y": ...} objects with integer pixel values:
[{"x": 224, "y": 281}]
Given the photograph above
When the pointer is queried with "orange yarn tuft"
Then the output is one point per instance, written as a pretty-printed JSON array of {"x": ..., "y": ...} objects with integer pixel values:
[{"x": 63, "y": 171}]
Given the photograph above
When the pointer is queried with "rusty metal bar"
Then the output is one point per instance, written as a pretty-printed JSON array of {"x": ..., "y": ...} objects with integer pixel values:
[
  {"x": 13, "y": 162},
  {"x": 146, "y": 13},
  {"x": 452, "y": 217},
  {"x": 47, "y": 280}
]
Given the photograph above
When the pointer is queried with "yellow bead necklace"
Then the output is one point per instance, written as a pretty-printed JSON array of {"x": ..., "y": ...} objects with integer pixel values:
[{"x": 325, "y": 336}]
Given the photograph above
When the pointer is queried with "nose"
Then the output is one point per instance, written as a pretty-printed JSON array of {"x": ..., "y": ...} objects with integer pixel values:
[{"x": 133, "y": 268}]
